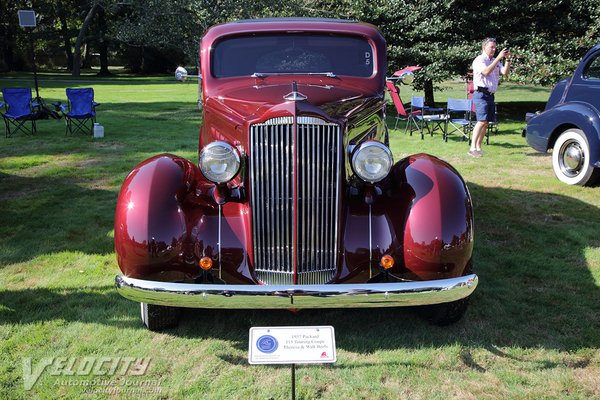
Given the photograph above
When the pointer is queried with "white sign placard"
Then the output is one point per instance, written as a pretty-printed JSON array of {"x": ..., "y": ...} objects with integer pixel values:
[
  {"x": 26, "y": 18},
  {"x": 291, "y": 345}
]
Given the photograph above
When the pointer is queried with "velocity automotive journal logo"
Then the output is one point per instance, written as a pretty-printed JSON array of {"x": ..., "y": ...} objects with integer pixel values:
[{"x": 105, "y": 371}]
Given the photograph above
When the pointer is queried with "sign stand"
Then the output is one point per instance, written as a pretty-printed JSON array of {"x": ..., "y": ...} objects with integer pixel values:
[
  {"x": 292, "y": 345},
  {"x": 37, "y": 99},
  {"x": 293, "y": 381}
]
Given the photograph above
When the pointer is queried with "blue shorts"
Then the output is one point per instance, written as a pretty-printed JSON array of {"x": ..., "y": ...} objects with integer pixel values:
[{"x": 485, "y": 107}]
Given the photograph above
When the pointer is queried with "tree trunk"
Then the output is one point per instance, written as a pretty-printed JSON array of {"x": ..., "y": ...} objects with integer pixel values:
[
  {"x": 87, "y": 56},
  {"x": 103, "y": 44},
  {"x": 86, "y": 23},
  {"x": 134, "y": 59},
  {"x": 66, "y": 39},
  {"x": 428, "y": 88}
]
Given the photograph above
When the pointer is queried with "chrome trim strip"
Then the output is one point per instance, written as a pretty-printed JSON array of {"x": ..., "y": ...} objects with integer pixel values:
[{"x": 358, "y": 295}]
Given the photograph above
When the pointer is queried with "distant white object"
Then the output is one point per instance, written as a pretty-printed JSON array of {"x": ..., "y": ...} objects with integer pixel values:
[
  {"x": 27, "y": 18},
  {"x": 98, "y": 131}
]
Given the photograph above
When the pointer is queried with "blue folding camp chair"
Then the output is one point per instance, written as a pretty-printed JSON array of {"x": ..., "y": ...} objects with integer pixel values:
[
  {"x": 421, "y": 117},
  {"x": 19, "y": 110},
  {"x": 82, "y": 110},
  {"x": 458, "y": 118}
]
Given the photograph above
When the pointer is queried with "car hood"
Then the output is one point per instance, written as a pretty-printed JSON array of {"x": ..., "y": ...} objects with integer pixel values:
[{"x": 252, "y": 101}]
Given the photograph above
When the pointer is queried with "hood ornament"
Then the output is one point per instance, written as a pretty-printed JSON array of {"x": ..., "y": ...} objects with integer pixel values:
[{"x": 295, "y": 95}]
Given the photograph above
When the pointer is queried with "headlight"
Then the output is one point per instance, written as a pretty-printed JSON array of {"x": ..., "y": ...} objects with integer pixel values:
[
  {"x": 219, "y": 162},
  {"x": 372, "y": 161}
]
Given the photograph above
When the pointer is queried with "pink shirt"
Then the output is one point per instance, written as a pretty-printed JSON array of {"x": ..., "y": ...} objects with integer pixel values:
[{"x": 491, "y": 80}]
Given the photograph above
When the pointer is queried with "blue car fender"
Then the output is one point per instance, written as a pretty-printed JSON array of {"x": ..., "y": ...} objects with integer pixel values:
[{"x": 545, "y": 128}]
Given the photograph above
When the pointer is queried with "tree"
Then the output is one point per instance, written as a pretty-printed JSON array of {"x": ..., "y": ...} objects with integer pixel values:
[
  {"x": 443, "y": 36},
  {"x": 64, "y": 30},
  {"x": 82, "y": 32},
  {"x": 9, "y": 29}
]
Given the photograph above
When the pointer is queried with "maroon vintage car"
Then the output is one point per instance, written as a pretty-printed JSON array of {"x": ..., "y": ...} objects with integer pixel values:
[{"x": 296, "y": 201}]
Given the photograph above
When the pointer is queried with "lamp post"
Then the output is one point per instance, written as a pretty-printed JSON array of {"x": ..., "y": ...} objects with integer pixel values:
[{"x": 27, "y": 20}]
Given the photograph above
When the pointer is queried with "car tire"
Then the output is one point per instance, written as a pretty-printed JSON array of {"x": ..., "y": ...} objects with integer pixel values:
[
  {"x": 157, "y": 318},
  {"x": 446, "y": 313},
  {"x": 571, "y": 159}
]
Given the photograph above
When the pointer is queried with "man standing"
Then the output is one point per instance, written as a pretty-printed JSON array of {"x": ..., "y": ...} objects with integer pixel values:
[{"x": 486, "y": 73}]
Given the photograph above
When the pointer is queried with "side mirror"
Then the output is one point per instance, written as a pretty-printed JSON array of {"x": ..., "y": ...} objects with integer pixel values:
[
  {"x": 181, "y": 74},
  {"x": 407, "y": 77}
]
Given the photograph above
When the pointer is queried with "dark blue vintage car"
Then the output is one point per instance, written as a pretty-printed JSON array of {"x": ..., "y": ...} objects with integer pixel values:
[{"x": 570, "y": 124}]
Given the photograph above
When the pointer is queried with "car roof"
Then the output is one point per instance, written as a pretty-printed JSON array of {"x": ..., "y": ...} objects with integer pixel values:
[{"x": 289, "y": 19}]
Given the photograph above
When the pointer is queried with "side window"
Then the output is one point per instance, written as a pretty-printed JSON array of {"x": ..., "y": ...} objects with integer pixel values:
[{"x": 592, "y": 71}]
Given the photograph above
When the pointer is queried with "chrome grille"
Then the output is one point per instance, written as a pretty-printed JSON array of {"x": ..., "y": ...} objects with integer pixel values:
[{"x": 309, "y": 241}]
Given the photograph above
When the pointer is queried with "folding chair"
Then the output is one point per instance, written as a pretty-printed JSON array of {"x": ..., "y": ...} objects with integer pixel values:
[
  {"x": 82, "y": 109},
  {"x": 395, "y": 95},
  {"x": 19, "y": 109},
  {"x": 421, "y": 117},
  {"x": 492, "y": 126},
  {"x": 458, "y": 112}
]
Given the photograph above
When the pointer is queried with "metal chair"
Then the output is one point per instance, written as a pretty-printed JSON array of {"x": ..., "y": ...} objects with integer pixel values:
[
  {"x": 81, "y": 110},
  {"x": 19, "y": 110},
  {"x": 421, "y": 117},
  {"x": 458, "y": 112}
]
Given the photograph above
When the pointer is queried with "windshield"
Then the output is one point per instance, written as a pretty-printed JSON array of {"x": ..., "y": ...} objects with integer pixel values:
[{"x": 274, "y": 54}]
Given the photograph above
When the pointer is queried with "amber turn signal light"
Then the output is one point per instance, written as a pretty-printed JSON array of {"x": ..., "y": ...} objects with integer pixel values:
[
  {"x": 387, "y": 262},
  {"x": 205, "y": 263}
]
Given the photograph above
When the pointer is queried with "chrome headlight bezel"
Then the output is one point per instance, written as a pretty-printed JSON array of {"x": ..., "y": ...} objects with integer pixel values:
[
  {"x": 216, "y": 152},
  {"x": 376, "y": 151}
]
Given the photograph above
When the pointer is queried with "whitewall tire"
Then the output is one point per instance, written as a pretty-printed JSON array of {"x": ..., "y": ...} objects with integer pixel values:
[{"x": 571, "y": 159}]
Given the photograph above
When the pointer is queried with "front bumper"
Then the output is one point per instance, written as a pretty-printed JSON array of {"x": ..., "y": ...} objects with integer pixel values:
[{"x": 358, "y": 295}]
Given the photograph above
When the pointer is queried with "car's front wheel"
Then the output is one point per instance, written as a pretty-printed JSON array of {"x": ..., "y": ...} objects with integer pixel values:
[
  {"x": 157, "y": 318},
  {"x": 571, "y": 159},
  {"x": 446, "y": 313}
]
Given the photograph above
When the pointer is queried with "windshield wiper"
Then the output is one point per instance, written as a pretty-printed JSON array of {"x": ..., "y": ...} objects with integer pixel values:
[{"x": 265, "y": 74}]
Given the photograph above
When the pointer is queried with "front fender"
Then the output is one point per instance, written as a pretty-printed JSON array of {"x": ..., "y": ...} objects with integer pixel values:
[
  {"x": 438, "y": 232},
  {"x": 151, "y": 228},
  {"x": 544, "y": 128}
]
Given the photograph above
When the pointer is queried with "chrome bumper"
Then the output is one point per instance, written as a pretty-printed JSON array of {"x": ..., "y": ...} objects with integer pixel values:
[{"x": 358, "y": 295}]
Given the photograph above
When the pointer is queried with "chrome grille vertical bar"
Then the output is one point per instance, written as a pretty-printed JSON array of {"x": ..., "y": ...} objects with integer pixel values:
[
  {"x": 316, "y": 196},
  {"x": 329, "y": 196},
  {"x": 273, "y": 180},
  {"x": 303, "y": 207},
  {"x": 288, "y": 196},
  {"x": 335, "y": 177},
  {"x": 279, "y": 199},
  {"x": 260, "y": 184}
]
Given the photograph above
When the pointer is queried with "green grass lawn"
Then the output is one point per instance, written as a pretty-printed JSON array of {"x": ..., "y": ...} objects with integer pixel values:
[{"x": 532, "y": 331}]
